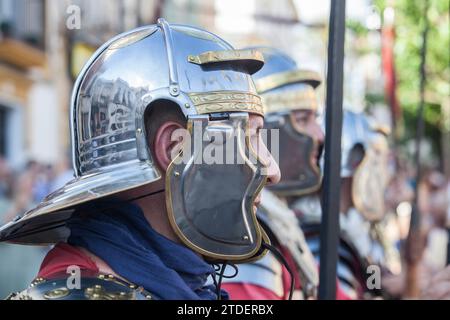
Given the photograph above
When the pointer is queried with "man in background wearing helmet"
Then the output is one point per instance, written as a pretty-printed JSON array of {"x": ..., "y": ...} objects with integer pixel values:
[
  {"x": 146, "y": 215},
  {"x": 364, "y": 180},
  {"x": 290, "y": 102}
]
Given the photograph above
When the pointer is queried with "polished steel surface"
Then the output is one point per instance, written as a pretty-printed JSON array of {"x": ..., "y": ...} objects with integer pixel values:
[
  {"x": 217, "y": 224},
  {"x": 124, "y": 78}
]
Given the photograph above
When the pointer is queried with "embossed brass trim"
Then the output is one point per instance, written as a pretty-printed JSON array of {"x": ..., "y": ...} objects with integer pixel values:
[
  {"x": 282, "y": 78},
  {"x": 227, "y": 56},
  {"x": 227, "y": 101},
  {"x": 304, "y": 98},
  {"x": 98, "y": 292}
]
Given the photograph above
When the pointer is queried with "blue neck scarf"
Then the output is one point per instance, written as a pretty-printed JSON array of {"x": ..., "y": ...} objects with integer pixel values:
[{"x": 122, "y": 237}]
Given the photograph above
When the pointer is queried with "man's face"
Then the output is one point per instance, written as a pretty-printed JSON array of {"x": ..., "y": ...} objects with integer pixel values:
[
  {"x": 306, "y": 120},
  {"x": 256, "y": 123}
]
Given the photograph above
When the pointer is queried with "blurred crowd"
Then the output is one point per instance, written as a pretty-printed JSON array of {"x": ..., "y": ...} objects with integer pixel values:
[
  {"x": 430, "y": 246},
  {"x": 20, "y": 190}
]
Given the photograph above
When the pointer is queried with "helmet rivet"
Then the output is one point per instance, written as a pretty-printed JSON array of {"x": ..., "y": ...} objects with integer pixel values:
[
  {"x": 139, "y": 130},
  {"x": 176, "y": 173},
  {"x": 191, "y": 58},
  {"x": 187, "y": 105},
  {"x": 245, "y": 237},
  {"x": 174, "y": 89}
]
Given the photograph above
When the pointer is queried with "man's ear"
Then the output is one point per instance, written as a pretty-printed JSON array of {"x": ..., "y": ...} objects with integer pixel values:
[{"x": 163, "y": 144}]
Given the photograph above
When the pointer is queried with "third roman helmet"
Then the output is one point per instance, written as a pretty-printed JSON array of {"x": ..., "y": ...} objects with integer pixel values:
[{"x": 365, "y": 152}]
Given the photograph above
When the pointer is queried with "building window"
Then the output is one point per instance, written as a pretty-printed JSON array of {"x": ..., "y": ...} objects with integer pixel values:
[{"x": 23, "y": 20}]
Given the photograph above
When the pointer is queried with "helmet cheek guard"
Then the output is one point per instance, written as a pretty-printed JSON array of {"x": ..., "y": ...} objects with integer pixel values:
[
  {"x": 219, "y": 225},
  {"x": 370, "y": 181},
  {"x": 300, "y": 171}
]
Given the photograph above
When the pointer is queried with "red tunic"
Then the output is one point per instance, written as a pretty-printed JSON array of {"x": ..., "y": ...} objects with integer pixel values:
[{"x": 61, "y": 257}]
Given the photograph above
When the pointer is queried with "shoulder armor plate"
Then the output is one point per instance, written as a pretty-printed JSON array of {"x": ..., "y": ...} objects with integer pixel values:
[
  {"x": 284, "y": 226},
  {"x": 92, "y": 287}
]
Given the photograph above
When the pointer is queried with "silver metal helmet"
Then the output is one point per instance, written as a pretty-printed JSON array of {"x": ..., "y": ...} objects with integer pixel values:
[
  {"x": 355, "y": 140},
  {"x": 210, "y": 82},
  {"x": 285, "y": 88},
  {"x": 365, "y": 151}
]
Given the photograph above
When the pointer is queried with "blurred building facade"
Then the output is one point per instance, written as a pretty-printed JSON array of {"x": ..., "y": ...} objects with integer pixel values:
[{"x": 22, "y": 66}]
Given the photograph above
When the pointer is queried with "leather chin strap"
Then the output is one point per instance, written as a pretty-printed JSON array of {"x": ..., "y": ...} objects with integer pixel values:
[
  {"x": 279, "y": 256},
  {"x": 220, "y": 269}
]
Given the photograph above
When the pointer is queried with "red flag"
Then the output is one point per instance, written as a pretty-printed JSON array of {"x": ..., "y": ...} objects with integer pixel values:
[{"x": 388, "y": 61}]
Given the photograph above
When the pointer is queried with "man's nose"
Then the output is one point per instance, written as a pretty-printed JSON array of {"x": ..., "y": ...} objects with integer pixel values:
[
  {"x": 273, "y": 172},
  {"x": 317, "y": 133}
]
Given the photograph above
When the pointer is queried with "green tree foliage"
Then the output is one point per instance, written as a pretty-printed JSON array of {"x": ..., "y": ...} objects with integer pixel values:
[{"x": 410, "y": 18}]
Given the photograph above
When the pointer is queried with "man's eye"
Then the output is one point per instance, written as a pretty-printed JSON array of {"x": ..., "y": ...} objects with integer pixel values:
[{"x": 257, "y": 131}]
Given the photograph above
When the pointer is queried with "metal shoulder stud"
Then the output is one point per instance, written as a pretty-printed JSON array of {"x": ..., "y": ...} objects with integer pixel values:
[
  {"x": 56, "y": 293},
  {"x": 98, "y": 292},
  {"x": 37, "y": 281}
]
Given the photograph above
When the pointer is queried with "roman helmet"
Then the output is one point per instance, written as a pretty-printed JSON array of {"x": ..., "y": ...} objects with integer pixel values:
[
  {"x": 284, "y": 87},
  {"x": 365, "y": 152},
  {"x": 210, "y": 206}
]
